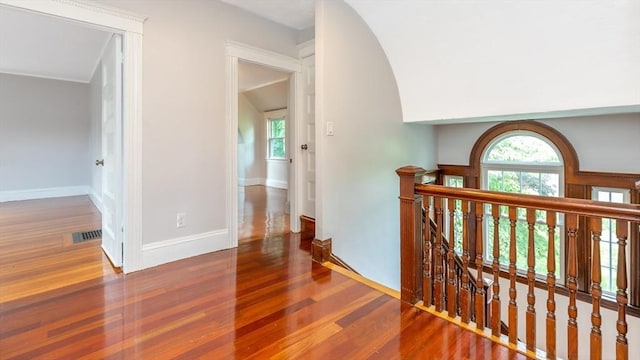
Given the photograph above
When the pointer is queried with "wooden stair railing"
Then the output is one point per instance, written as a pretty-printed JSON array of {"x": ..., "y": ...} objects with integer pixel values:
[
  {"x": 454, "y": 278},
  {"x": 429, "y": 271}
]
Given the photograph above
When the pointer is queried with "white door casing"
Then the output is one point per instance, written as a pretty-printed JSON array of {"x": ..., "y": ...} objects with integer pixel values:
[
  {"x": 112, "y": 151},
  {"x": 308, "y": 139},
  {"x": 234, "y": 52}
]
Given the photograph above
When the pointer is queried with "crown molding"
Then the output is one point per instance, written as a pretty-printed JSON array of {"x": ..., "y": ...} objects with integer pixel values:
[{"x": 83, "y": 11}]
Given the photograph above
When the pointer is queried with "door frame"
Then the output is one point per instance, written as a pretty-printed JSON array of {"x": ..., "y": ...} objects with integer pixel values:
[
  {"x": 130, "y": 26},
  {"x": 236, "y": 51},
  {"x": 305, "y": 50}
]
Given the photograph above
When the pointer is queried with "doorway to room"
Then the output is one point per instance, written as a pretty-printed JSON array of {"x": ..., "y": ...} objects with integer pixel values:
[{"x": 263, "y": 151}]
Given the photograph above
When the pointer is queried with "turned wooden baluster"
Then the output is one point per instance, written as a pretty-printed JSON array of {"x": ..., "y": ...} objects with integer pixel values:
[
  {"x": 479, "y": 298},
  {"x": 465, "y": 292},
  {"x": 437, "y": 254},
  {"x": 427, "y": 248},
  {"x": 572, "y": 285},
  {"x": 622, "y": 347},
  {"x": 596, "y": 290},
  {"x": 513, "y": 306},
  {"x": 451, "y": 255},
  {"x": 531, "y": 281},
  {"x": 495, "y": 266},
  {"x": 551, "y": 286}
]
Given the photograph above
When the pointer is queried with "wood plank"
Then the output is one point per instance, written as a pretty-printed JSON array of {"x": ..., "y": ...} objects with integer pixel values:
[{"x": 265, "y": 299}]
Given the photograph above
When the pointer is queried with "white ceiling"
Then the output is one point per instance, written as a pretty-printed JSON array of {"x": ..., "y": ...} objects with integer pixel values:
[
  {"x": 252, "y": 76},
  {"x": 37, "y": 45},
  {"x": 43, "y": 46},
  {"x": 295, "y": 14}
]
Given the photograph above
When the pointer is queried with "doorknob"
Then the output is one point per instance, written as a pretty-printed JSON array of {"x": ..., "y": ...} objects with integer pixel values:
[
  {"x": 304, "y": 147},
  {"x": 100, "y": 162}
]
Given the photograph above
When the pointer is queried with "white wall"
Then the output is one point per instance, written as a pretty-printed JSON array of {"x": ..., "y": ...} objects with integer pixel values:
[
  {"x": 183, "y": 121},
  {"x": 270, "y": 97},
  {"x": 252, "y": 129},
  {"x": 95, "y": 108},
  {"x": 604, "y": 143},
  {"x": 467, "y": 59},
  {"x": 44, "y": 137},
  {"x": 357, "y": 187}
]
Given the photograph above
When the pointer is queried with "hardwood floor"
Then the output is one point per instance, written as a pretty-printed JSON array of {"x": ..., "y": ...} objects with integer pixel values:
[
  {"x": 265, "y": 299},
  {"x": 262, "y": 212}
]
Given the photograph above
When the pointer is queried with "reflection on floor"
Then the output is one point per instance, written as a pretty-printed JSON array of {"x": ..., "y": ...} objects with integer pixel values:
[
  {"x": 264, "y": 299},
  {"x": 262, "y": 212},
  {"x": 37, "y": 253}
]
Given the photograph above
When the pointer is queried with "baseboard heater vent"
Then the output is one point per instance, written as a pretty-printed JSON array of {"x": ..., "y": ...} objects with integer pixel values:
[{"x": 86, "y": 236}]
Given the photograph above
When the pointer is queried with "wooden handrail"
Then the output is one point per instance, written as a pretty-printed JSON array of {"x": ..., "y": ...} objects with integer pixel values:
[
  {"x": 432, "y": 272},
  {"x": 630, "y": 212}
]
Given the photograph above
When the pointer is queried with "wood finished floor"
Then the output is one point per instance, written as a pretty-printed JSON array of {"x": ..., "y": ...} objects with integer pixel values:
[{"x": 265, "y": 299}]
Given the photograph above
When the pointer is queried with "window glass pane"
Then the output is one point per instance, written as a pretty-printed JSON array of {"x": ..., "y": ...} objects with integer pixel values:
[
  {"x": 549, "y": 184},
  {"x": 522, "y": 148},
  {"x": 617, "y": 197},
  {"x": 608, "y": 240},
  {"x": 494, "y": 180},
  {"x": 511, "y": 182},
  {"x": 603, "y": 196},
  {"x": 276, "y": 148},
  {"x": 277, "y": 128},
  {"x": 453, "y": 181},
  {"x": 530, "y": 183}
]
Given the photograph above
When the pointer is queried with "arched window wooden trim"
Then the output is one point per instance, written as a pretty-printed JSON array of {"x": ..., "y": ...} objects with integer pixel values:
[
  {"x": 577, "y": 184},
  {"x": 569, "y": 155}
]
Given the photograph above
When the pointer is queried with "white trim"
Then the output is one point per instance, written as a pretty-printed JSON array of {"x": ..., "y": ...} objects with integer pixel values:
[
  {"x": 307, "y": 48},
  {"x": 294, "y": 138},
  {"x": 162, "y": 252},
  {"x": 130, "y": 26},
  {"x": 84, "y": 11},
  {"x": 132, "y": 151},
  {"x": 37, "y": 76},
  {"x": 234, "y": 52},
  {"x": 261, "y": 56},
  {"x": 626, "y": 193},
  {"x": 43, "y": 193},
  {"x": 280, "y": 184},
  {"x": 96, "y": 199},
  {"x": 251, "y": 181},
  {"x": 321, "y": 19},
  {"x": 232, "y": 147}
]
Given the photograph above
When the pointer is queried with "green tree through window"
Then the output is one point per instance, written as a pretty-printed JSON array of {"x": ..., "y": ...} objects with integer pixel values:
[
  {"x": 276, "y": 131},
  {"x": 526, "y": 164}
]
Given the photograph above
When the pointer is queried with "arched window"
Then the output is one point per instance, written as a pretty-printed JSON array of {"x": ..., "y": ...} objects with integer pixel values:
[{"x": 523, "y": 162}]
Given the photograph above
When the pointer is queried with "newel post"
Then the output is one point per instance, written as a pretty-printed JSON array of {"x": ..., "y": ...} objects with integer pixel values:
[{"x": 410, "y": 234}]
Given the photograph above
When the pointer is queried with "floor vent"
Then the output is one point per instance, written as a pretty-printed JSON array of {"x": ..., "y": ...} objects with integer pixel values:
[{"x": 87, "y": 235}]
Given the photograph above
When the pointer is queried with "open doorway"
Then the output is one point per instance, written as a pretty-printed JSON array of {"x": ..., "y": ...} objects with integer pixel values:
[
  {"x": 62, "y": 116},
  {"x": 263, "y": 151},
  {"x": 59, "y": 82},
  {"x": 130, "y": 26}
]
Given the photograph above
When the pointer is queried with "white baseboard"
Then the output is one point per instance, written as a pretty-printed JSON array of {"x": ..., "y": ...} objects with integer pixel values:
[
  {"x": 250, "y": 181},
  {"x": 184, "y": 247},
  {"x": 96, "y": 199},
  {"x": 30, "y": 194},
  {"x": 277, "y": 184}
]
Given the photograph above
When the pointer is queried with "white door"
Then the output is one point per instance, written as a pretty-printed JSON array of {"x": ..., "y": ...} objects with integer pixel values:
[
  {"x": 308, "y": 146},
  {"x": 112, "y": 151}
]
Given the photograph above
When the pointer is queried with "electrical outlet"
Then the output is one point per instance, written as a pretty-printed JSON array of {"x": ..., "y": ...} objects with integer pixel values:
[{"x": 181, "y": 220}]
